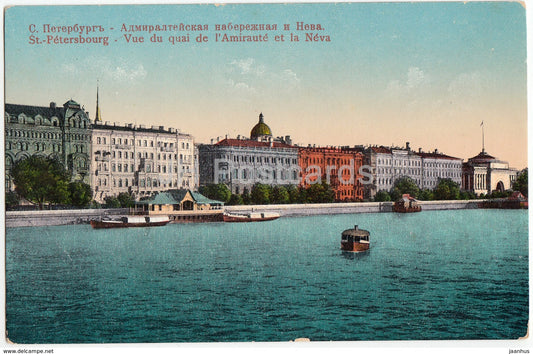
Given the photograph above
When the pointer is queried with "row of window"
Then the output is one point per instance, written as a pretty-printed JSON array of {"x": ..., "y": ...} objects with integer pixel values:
[
  {"x": 145, "y": 143},
  {"x": 143, "y": 183},
  {"x": 263, "y": 159}
]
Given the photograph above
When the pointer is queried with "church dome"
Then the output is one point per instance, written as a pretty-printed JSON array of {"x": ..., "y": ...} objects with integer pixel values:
[{"x": 260, "y": 129}]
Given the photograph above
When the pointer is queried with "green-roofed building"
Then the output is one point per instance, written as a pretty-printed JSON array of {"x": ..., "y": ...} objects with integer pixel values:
[{"x": 176, "y": 200}]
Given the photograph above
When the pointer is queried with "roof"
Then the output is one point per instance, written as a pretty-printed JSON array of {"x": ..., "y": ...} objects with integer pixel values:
[
  {"x": 381, "y": 150},
  {"x": 482, "y": 156},
  {"x": 436, "y": 155},
  {"x": 253, "y": 143},
  {"x": 176, "y": 196},
  {"x": 260, "y": 129},
  {"x": 356, "y": 231},
  {"x": 32, "y": 111}
]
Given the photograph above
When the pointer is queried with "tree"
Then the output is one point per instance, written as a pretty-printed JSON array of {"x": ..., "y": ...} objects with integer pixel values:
[
  {"x": 447, "y": 190},
  {"x": 41, "y": 180},
  {"x": 320, "y": 193},
  {"x": 280, "y": 195},
  {"x": 218, "y": 191},
  {"x": 235, "y": 199},
  {"x": 405, "y": 185},
  {"x": 125, "y": 200},
  {"x": 382, "y": 196},
  {"x": 521, "y": 182},
  {"x": 260, "y": 194},
  {"x": 12, "y": 199},
  {"x": 426, "y": 194},
  {"x": 80, "y": 194},
  {"x": 111, "y": 202}
]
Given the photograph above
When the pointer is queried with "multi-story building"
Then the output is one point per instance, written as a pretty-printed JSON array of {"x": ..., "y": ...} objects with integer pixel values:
[
  {"x": 390, "y": 164},
  {"x": 424, "y": 168},
  {"x": 483, "y": 174},
  {"x": 240, "y": 163},
  {"x": 140, "y": 160},
  {"x": 60, "y": 132},
  {"x": 437, "y": 166},
  {"x": 335, "y": 166}
]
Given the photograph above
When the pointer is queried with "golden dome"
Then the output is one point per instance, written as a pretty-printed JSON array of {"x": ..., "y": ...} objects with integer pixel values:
[{"x": 260, "y": 129}]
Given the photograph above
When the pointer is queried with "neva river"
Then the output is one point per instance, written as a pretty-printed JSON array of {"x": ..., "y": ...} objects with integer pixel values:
[{"x": 431, "y": 275}]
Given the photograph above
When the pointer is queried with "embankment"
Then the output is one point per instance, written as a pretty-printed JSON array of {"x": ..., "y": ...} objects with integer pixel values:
[
  {"x": 58, "y": 217},
  {"x": 350, "y": 208},
  {"x": 83, "y": 216}
]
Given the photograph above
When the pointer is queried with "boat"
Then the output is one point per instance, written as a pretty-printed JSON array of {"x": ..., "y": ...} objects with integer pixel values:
[
  {"x": 355, "y": 240},
  {"x": 130, "y": 221},
  {"x": 406, "y": 204},
  {"x": 250, "y": 217}
]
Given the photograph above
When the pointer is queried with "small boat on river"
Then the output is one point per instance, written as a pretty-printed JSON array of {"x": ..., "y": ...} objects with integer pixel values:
[
  {"x": 250, "y": 217},
  {"x": 407, "y": 204},
  {"x": 131, "y": 221},
  {"x": 355, "y": 240}
]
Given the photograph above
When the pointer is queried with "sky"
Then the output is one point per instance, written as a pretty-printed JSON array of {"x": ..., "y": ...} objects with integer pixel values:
[{"x": 427, "y": 73}]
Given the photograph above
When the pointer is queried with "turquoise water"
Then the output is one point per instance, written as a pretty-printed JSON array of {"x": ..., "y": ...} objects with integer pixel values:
[{"x": 431, "y": 275}]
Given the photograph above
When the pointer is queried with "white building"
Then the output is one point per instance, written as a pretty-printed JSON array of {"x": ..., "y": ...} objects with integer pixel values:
[
  {"x": 483, "y": 174},
  {"x": 425, "y": 169},
  {"x": 139, "y": 160}
]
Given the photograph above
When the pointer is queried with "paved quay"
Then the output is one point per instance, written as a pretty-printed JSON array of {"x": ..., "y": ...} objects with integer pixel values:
[{"x": 83, "y": 216}]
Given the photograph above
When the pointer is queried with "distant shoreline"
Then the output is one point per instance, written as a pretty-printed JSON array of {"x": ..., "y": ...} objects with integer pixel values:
[{"x": 37, "y": 218}]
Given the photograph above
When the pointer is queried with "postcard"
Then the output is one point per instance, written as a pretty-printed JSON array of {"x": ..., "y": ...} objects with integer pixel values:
[{"x": 337, "y": 174}]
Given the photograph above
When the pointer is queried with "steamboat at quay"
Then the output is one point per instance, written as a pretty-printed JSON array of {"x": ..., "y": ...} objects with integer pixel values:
[
  {"x": 355, "y": 240},
  {"x": 406, "y": 204},
  {"x": 130, "y": 221}
]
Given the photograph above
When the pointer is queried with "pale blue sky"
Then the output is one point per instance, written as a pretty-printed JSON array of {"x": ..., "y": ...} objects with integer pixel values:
[{"x": 427, "y": 73}]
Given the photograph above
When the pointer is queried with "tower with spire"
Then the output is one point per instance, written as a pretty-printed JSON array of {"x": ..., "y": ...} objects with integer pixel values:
[{"x": 98, "y": 117}]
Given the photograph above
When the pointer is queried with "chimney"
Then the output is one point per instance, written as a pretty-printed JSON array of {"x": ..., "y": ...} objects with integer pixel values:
[
  {"x": 52, "y": 105},
  {"x": 436, "y": 151},
  {"x": 407, "y": 146},
  {"x": 419, "y": 150}
]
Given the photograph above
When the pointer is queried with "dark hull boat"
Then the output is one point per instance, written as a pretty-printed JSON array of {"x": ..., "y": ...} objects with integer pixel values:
[{"x": 131, "y": 221}]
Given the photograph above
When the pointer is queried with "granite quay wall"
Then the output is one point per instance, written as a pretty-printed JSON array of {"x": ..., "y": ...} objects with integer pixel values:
[
  {"x": 58, "y": 217},
  {"x": 349, "y": 208},
  {"x": 83, "y": 216}
]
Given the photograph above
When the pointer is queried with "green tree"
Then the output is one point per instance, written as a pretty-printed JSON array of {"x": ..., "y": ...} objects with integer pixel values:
[
  {"x": 293, "y": 192},
  {"x": 426, "y": 194},
  {"x": 320, "y": 193},
  {"x": 235, "y": 199},
  {"x": 41, "y": 180},
  {"x": 80, "y": 194},
  {"x": 261, "y": 194},
  {"x": 246, "y": 197},
  {"x": 404, "y": 185},
  {"x": 111, "y": 202},
  {"x": 447, "y": 190},
  {"x": 218, "y": 191},
  {"x": 280, "y": 195},
  {"x": 382, "y": 196},
  {"x": 521, "y": 182},
  {"x": 125, "y": 200},
  {"x": 12, "y": 199}
]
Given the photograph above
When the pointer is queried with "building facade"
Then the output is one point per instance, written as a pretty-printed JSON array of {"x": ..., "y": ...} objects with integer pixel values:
[
  {"x": 140, "y": 160},
  {"x": 335, "y": 166},
  {"x": 483, "y": 174},
  {"x": 60, "y": 132},
  {"x": 426, "y": 169},
  {"x": 240, "y": 163}
]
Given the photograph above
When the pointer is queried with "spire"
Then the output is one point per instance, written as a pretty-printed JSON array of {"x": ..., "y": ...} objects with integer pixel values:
[
  {"x": 482, "y": 138},
  {"x": 98, "y": 117}
]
